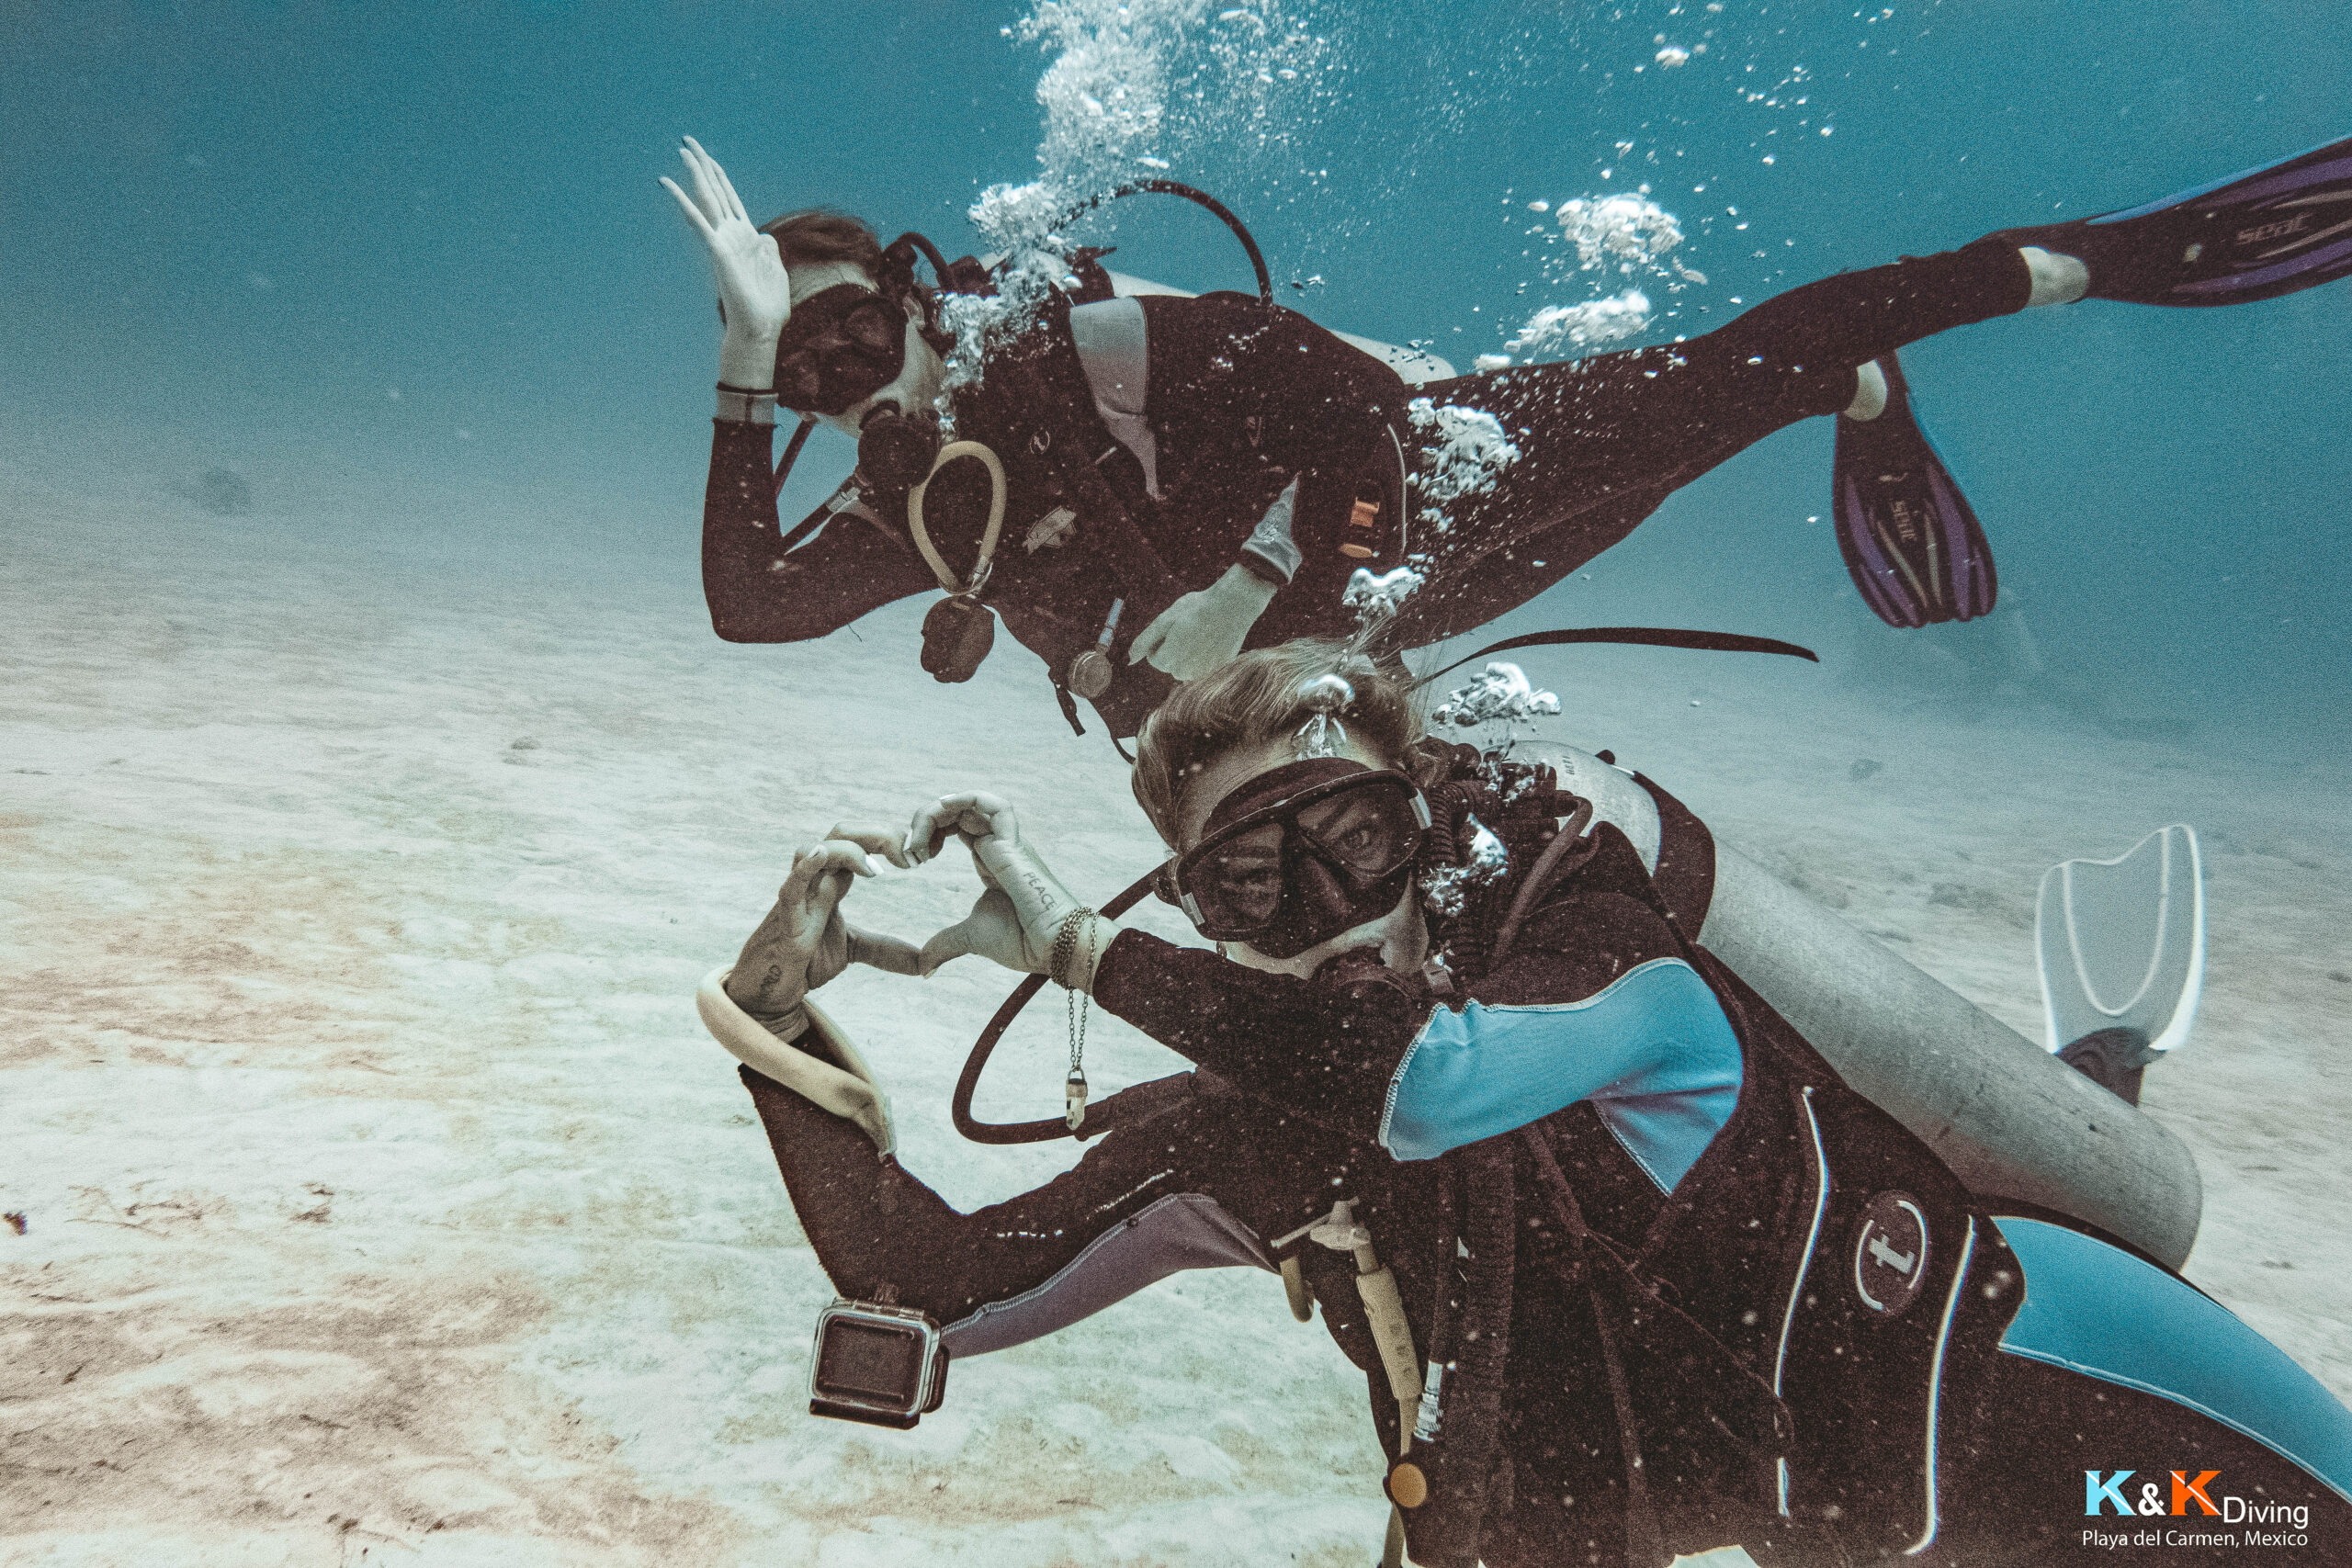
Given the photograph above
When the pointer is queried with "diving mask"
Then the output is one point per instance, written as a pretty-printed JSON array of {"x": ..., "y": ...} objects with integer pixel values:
[
  {"x": 840, "y": 346},
  {"x": 1299, "y": 854}
]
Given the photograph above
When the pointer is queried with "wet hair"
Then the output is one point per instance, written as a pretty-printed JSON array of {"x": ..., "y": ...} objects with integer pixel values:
[
  {"x": 1262, "y": 697},
  {"x": 817, "y": 234}
]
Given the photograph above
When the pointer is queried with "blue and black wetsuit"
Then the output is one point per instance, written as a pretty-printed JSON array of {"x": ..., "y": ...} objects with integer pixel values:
[{"x": 1745, "y": 1305}]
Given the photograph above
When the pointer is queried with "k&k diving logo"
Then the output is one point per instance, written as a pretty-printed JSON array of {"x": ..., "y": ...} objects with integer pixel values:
[{"x": 2196, "y": 1495}]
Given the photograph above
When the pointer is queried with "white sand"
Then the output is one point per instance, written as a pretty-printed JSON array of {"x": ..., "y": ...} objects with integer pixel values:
[{"x": 383, "y": 1197}]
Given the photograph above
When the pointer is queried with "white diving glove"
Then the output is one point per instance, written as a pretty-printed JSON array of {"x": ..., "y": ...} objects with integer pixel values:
[
  {"x": 757, "y": 1008},
  {"x": 1018, "y": 920},
  {"x": 804, "y": 942},
  {"x": 1201, "y": 632},
  {"x": 754, "y": 291}
]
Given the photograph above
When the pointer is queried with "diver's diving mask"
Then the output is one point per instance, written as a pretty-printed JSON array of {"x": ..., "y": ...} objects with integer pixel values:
[
  {"x": 840, "y": 346},
  {"x": 1299, "y": 854}
]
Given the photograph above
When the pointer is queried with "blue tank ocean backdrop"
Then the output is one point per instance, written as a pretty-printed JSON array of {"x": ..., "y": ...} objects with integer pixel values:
[{"x": 375, "y": 792}]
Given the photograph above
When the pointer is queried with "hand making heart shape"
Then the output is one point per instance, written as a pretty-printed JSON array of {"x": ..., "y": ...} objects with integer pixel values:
[
  {"x": 1024, "y": 906},
  {"x": 805, "y": 942}
]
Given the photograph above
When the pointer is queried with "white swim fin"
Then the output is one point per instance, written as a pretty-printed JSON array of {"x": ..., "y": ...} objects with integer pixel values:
[{"x": 2120, "y": 945}]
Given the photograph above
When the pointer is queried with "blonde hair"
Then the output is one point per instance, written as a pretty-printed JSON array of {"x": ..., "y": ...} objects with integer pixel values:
[{"x": 1259, "y": 697}]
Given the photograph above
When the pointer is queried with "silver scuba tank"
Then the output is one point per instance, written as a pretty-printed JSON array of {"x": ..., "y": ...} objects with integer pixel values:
[{"x": 2008, "y": 1118}]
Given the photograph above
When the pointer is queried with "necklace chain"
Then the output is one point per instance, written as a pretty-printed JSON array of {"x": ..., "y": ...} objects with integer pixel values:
[{"x": 1065, "y": 942}]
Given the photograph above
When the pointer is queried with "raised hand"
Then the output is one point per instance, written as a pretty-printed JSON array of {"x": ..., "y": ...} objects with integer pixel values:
[
  {"x": 754, "y": 290},
  {"x": 1201, "y": 632},
  {"x": 805, "y": 942}
]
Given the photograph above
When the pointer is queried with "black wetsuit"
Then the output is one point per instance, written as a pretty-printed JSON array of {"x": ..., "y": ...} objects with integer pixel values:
[
  {"x": 1243, "y": 397},
  {"x": 1718, "y": 1326}
]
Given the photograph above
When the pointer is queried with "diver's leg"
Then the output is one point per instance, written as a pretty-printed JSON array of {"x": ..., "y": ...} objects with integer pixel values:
[
  {"x": 2268, "y": 231},
  {"x": 1796, "y": 353},
  {"x": 1601, "y": 441}
]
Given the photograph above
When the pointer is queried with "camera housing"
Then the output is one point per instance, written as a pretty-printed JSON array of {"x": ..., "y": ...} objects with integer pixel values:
[{"x": 873, "y": 1362}]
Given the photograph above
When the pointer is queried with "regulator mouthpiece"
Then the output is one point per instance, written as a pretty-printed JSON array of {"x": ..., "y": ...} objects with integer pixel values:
[{"x": 895, "y": 450}]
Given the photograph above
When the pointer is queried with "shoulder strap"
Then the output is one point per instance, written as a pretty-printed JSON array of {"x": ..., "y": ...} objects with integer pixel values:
[
  {"x": 1114, "y": 352},
  {"x": 1685, "y": 877}
]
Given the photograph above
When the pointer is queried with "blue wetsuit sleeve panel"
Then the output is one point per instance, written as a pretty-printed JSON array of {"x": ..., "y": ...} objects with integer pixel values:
[
  {"x": 2097, "y": 1310},
  {"x": 1653, "y": 1050}
]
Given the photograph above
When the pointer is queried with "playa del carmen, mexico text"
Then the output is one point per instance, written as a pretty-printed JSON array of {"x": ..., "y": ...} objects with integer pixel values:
[{"x": 2196, "y": 1496}]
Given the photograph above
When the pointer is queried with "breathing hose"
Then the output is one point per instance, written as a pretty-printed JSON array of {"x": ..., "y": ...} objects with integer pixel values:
[
  {"x": 1100, "y": 1117},
  {"x": 931, "y": 558}
]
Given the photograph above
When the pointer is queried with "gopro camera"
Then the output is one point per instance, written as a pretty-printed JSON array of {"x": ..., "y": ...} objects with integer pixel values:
[{"x": 883, "y": 1365}]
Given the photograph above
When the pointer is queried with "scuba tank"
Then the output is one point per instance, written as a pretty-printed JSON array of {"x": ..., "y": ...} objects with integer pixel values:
[{"x": 2008, "y": 1118}]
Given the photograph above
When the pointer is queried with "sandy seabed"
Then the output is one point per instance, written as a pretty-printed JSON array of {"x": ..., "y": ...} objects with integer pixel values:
[{"x": 374, "y": 1195}]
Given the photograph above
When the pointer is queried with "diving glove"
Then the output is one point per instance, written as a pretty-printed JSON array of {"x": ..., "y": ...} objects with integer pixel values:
[
  {"x": 1201, "y": 632},
  {"x": 1019, "y": 920}
]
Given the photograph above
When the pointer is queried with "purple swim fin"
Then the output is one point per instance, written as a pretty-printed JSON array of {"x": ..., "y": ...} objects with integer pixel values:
[
  {"x": 2252, "y": 236},
  {"x": 1910, "y": 540}
]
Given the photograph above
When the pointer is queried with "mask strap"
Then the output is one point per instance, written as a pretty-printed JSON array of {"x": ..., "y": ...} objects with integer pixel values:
[{"x": 898, "y": 270}]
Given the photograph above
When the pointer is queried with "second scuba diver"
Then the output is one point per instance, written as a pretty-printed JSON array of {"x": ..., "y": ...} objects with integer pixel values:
[
  {"x": 1631, "y": 1271},
  {"x": 1157, "y": 482}
]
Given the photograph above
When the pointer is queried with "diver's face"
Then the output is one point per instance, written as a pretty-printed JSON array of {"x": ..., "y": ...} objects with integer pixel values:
[
  {"x": 921, "y": 374},
  {"x": 1402, "y": 934}
]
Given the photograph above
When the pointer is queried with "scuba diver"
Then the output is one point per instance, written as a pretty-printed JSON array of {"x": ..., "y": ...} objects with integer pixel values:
[
  {"x": 1155, "y": 482},
  {"x": 1630, "y": 1269}
]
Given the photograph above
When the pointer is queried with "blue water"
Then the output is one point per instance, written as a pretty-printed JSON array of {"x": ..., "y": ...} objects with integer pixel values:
[{"x": 230, "y": 234}]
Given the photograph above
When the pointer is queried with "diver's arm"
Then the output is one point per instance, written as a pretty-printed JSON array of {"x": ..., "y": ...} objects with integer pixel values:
[
  {"x": 758, "y": 592},
  {"x": 1596, "y": 1001},
  {"x": 1315, "y": 1053},
  {"x": 881, "y": 1234}
]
